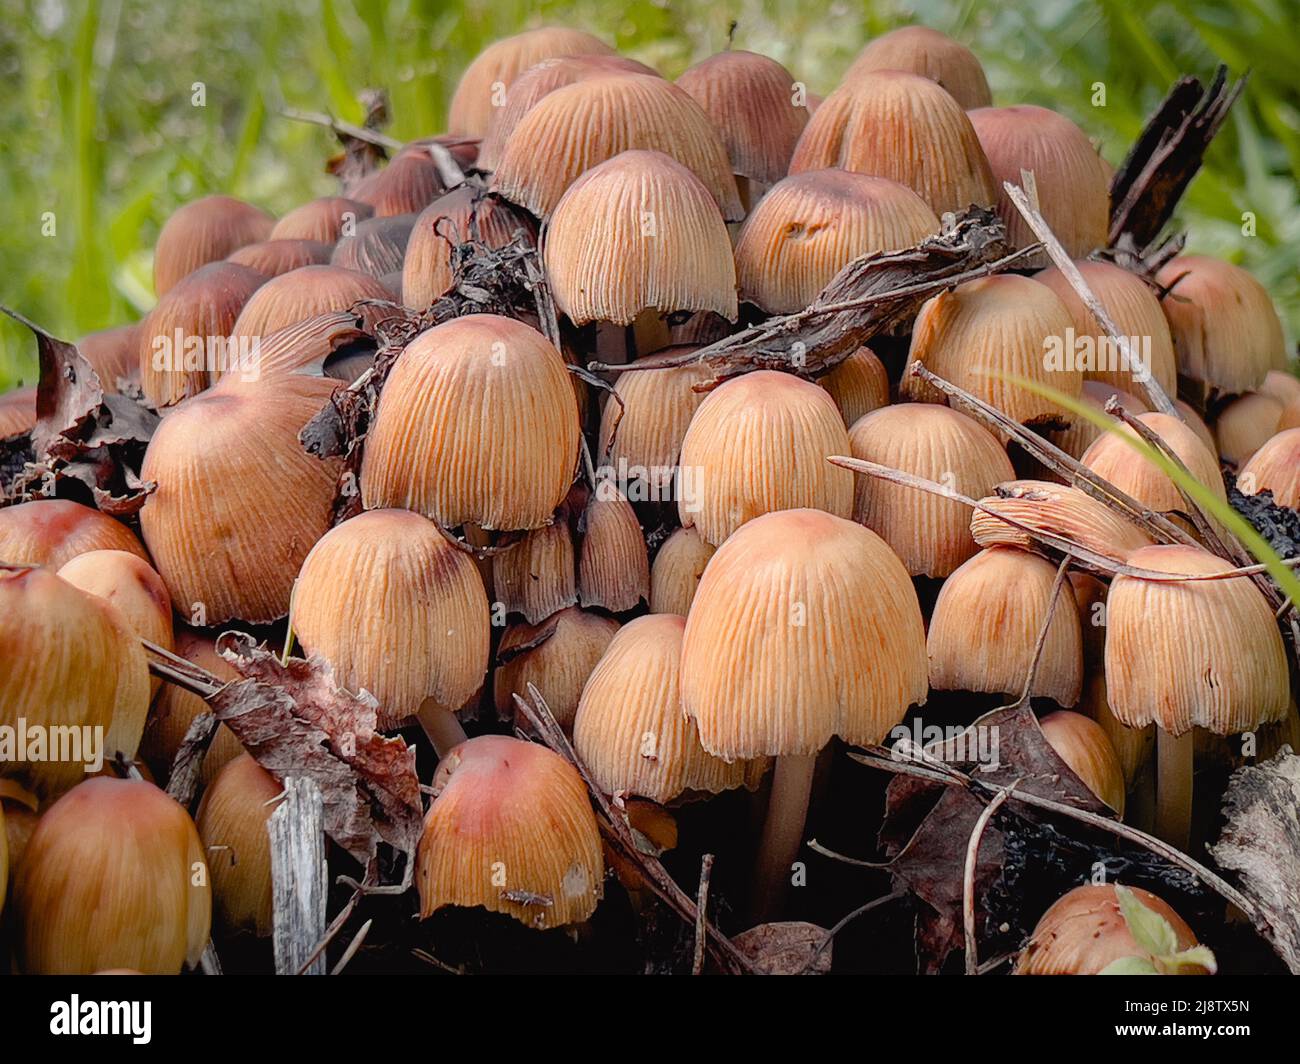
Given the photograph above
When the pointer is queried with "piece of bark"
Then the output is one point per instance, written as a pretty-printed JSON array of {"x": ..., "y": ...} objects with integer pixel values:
[{"x": 299, "y": 880}]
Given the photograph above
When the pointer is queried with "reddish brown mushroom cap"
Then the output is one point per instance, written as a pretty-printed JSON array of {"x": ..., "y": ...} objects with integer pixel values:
[
  {"x": 300, "y": 294},
  {"x": 54, "y": 531},
  {"x": 326, "y": 219},
  {"x": 204, "y": 231},
  {"x": 931, "y": 54}
]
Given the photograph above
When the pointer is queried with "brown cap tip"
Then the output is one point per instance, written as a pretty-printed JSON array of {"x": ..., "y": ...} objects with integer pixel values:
[
  {"x": 931, "y": 54},
  {"x": 204, "y": 231},
  {"x": 54, "y": 531},
  {"x": 1083, "y": 745},
  {"x": 675, "y": 574},
  {"x": 325, "y": 219},
  {"x": 1275, "y": 467}
]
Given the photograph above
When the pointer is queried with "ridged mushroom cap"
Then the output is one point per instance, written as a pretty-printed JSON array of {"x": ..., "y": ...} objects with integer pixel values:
[
  {"x": 18, "y": 411},
  {"x": 676, "y": 571},
  {"x": 108, "y": 881},
  {"x": 510, "y": 820},
  {"x": 477, "y": 422},
  {"x": 1282, "y": 385},
  {"x": 112, "y": 353},
  {"x": 303, "y": 293},
  {"x": 406, "y": 185},
  {"x": 986, "y": 622},
  {"x": 810, "y": 225},
  {"x": 274, "y": 257},
  {"x": 239, "y": 501},
  {"x": 181, "y": 343},
  {"x": 54, "y": 531},
  {"x": 930, "y": 534},
  {"x": 752, "y": 102},
  {"x": 1002, "y": 324},
  {"x": 204, "y": 231},
  {"x": 904, "y": 127},
  {"x": 305, "y": 346},
  {"x": 638, "y": 232},
  {"x": 1134, "y": 308},
  {"x": 538, "y": 575},
  {"x": 613, "y": 565},
  {"x": 1083, "y": 745},
  {"x": 1079, "y": 436},
  {"x": 1225, "y": 327},
  {"x": 1275, "y": 467},
  {"x": 579, "y": 126},
  {"x": 556, "y": 656},
  {"x": 1084, "y": 931},
  {"x": 540, "y": 80},
  {"x": 805, "y": 626},
  {"x": 397, "y": 609},
  {"x": 325, "y": 219},
  {"x": 1204, "y": 653},
  {"x": 935, "y": 55},
  {"x": 1058, "y": 509},
  {"x": 231, "y": 821},
  {"x": 68, "y": 659},
  {"x": 630, "y": 731},
  {"x": 1245, "y": 425},
  {"x": 759, "y": 443},
  {"x": 859, "y": 384},
  {"x": 1113, "y": 458},
  {"x": 377, "y": 247},
  {"x": 1072, "y": 181},
  {"x": 495, "y": 69}
]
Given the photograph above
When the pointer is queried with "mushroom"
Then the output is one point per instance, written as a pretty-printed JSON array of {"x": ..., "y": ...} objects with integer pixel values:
[
  {"x": 1083, "y": 745},
  {"x": 400, "y": 612},
  {"x": 986, "y": 624},
  {"x": 1275, "y": 467},
  {"x": 675, "y": 574},
  {"x": 613, "y": 564},
  {"x": 302, "y": 293},
  {"x": 1072, "y": 182},
  {"x": 1245, "y": 425},
  {"x": 932, "y": 54},
  {"x": 759, "y": 443},
  {"x": 113, "y": 877},
  {"x": 805, "y": 626},
  {"x": 477, "y": 423},
  {"x": 1079, "y": 436},
  {"x": 811, "y": 225},
  {"x": 859, "y": 384},
  {"x": 929, "y": 533},
  {"x": 274, "y": 257},
  {"x": 1187, "y": 654},
  {"x": 19, "y": 813},
  {"x": 905, "y": 127},
  {"x": 17, "y": 412},
  {"x": 510, "y": 829},
  {"x": 406, "y": 185},
  {"x": 1282, "y": 385},
  {"x": 327, "y": 219},
  {"x": 112, "y": 354},
  {"x": 54, "y": 531},
  {"x": 377, "y": 248},
  {"x": 1058, "y": 509},
  {"x": 486, "y": 80},
  {"x": 206, "y": 230},
  {"x": 239, "y": 502},
  {"x": 537, "y": 576},
  {"x": 555, "y": 656}
]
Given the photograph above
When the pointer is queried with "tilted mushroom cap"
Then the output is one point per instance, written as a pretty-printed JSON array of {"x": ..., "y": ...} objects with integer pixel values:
[
  {"x": 759, "y": 443},
  {"x": 859, "y": 384},
  {"x": 675, "y": 574},
  {"x": 303, "y": 293},
  {"x": 1275, "y": 467},
  {"x": 496, "y": 67},
  {"x": 805, "y": 626},
  {"x": 109, "y": 880},
  {"x": 1072, "y": 182},
  {"x": 68, "y": 660},
  {"x": 986, "y": 622},
  {"x": 1004, "y": 324},
  {"x": 204, "y": 231},
  {"x": 639, "y": 232},
  {"x": 630, "y": 731},
  {"x": 510, "y": 821},
  {"x": 1084, "y": 931},
  {"x": 112, "y": 353},
  {"x": 1136, "y": 312},
  {"x": 477, "y": 422},
  {"x": 930, "y": 534},
  {"x": 1282, "y": 385},
  {"x": 538, "y": 575},
  {"x": 540, "y": 80},
  {"x": 613, "y": 566},
  {"x": 231, "y": 821},
  {"x": 274, "y": 257},
  {"x": 1079, "y": 436},
  {"x": 556, "y": 656},
  {"x": 811, "y": 225},
  {"x": 239, "y": 501},
  {"x": 406, "y": 185},
  {"x": 1226, "y": 330},
  {"x": 181, "y": 344},
  {"x": 755, "y": 104},
  {"x": 18, "y": 412},
  {"x": 904, "y": 127},
  {"x": 642, "y": 436},
  {"x": 573, "y": 129},
  {"x": 1204, "y": 653},
  {"x": 54, "y": 531},
  {"x": 1084, "y": 746},
  {"x": 1245, "y": 425},
  {"x": 931, "y": 54},
  {"x": 397, "y": 609},
  {"x": 465, "y": 214},
  {"x": 306, "y": 346},
  {"x": 325, "y": 219},
  {"x": 1057, "y": 509},
  {"x": 377, "y": 248},
  {"x": 1113, "y": 458}
]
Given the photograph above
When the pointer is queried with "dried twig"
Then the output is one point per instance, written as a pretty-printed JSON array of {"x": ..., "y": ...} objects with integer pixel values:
[
  {"x": 701, "y": 911},
  {"x": 968, "y": 875}
]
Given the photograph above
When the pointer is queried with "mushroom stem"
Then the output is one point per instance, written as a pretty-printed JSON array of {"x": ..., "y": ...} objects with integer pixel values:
[
  {"x": 1174, "y": 763},
  {"x": 787, "y": 810},
  {"x": 441, "y": 726},
  {"x": 649, "y": 332}
]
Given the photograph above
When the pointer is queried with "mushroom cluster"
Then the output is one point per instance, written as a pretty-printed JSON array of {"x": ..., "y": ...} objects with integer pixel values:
[{"x": 612, "y": 579}]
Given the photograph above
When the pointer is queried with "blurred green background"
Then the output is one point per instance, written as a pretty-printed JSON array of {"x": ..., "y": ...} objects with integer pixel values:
[{"x": 97, "y": 125}]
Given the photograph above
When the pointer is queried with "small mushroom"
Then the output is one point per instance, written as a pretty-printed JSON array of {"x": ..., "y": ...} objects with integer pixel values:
[
  {"x": 1275, "y": 467},
  {"x": 1245, "y": 425},
  {"x": 1085, "y": 747},
  {"x": 206, "y": 230},
  {"x": 675, "y": 574},
  {"x": 1058, "y": 509},
  {"x": 932, "y": 54},
  {"x": 326, "y": 219},
  {"x": 54, "y": 531}
]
